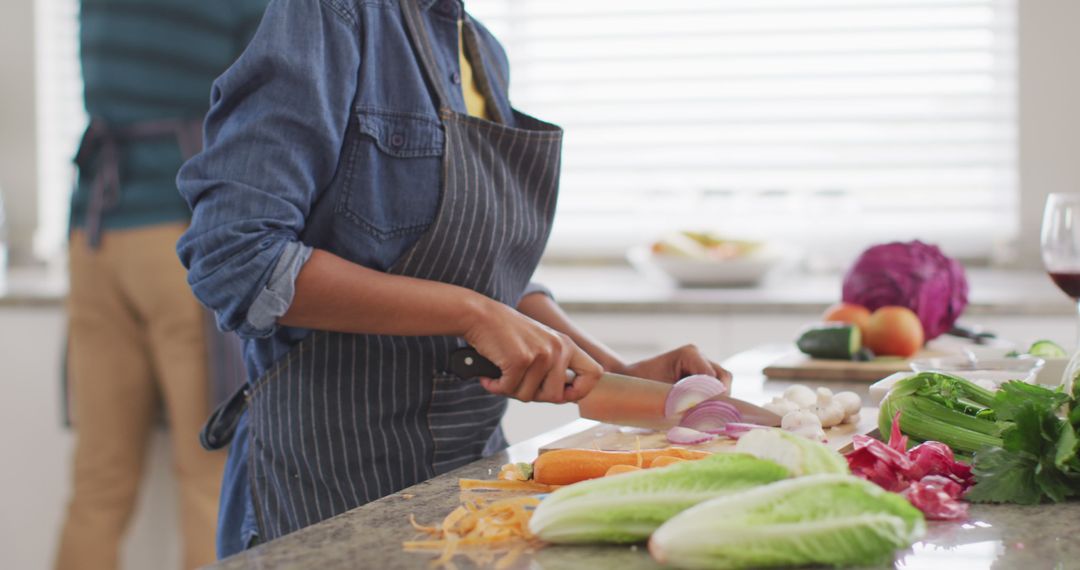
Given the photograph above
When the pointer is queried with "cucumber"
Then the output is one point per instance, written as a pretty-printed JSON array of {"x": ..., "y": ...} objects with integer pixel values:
[
  {"x": 864, "y": 355},
  {"x": 838, "y": 342},
  {"x": 1047, "y": 349}
]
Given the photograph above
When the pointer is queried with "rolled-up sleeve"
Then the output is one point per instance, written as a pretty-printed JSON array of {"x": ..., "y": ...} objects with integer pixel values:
[
  {"x": 274, "y": 134},
  {"x": 533, "y": 288}
]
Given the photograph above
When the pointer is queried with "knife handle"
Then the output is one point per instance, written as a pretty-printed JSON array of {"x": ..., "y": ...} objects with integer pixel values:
[{"x": 468, "y": 363}]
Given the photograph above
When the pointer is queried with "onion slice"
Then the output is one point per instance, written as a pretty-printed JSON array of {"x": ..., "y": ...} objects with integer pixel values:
[
  {"x": 691, "y": 391},
  {"x": 711, "y": 416},
  {"x": 735, "y": 430},
  {"x": 685, "y": 436}
]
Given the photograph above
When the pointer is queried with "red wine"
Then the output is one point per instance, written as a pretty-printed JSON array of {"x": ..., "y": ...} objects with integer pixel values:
[{"x": 1068, "y": 282}]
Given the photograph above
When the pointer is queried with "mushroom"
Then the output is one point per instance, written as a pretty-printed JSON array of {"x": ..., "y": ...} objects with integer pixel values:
[
  {"x": 781, "y": 406},
  {"x": 804, "y": 424},
  {"x": 850, "y": 401},
  {"x": 801, "y": 395},
  {"x": 830, "y": 414}
]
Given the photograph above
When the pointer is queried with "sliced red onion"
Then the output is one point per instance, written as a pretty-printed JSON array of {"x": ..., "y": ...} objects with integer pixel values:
[
  {"x": 711, "y": 416},
  {"x": 685, "y": 436},
  {"x": 691, "y": 391},
  {"x": 735, "y": 430}
]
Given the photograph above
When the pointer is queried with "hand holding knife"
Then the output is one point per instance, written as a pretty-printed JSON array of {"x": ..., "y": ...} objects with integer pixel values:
[{"x": 616, "y": 399}]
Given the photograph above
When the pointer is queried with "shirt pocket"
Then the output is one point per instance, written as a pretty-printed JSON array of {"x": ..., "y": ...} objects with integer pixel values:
[{"x": 393, "y": 181}]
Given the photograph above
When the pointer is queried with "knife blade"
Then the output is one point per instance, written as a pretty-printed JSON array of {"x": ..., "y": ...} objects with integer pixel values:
[{"x": 616, "y": 398}]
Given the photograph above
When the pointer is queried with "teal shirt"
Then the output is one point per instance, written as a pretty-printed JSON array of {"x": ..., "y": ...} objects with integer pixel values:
[{"x": 152, "y": 60}]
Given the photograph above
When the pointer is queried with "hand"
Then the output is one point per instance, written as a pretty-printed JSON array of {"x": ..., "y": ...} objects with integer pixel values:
[
  {"x": 676, "y": 365},
  {"x": 534, "y": 358}
]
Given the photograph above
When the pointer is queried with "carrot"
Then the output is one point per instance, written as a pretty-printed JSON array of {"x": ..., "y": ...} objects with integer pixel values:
[
  {"x": 481, "y": 531},
  {"x": 503, "y": 485},
  {"x": 567, "y": 466},
  {"x": 665, "y": 460},
  {"x": 616, "y": 469}
]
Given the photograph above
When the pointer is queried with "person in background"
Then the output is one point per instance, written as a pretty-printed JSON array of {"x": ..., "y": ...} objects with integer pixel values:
[{"x": 138, "y": 340}]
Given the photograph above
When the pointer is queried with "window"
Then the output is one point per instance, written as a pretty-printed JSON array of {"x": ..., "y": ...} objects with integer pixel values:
[
  {"x": 61, "y": 117},
  {"x": 831, "y": 123}
]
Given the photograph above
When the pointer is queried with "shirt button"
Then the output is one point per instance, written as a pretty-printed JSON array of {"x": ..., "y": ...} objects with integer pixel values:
[
  {"x": 397, "y": 140},
  {"x": 455, "y": 78}
]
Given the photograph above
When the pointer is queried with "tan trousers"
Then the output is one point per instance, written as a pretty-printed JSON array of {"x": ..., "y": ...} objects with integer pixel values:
[{"x": 136, "y": 340}]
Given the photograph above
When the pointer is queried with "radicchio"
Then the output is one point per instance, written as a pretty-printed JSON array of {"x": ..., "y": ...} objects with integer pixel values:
[
  {"x": 927, "y": 474},
  {"x": 938, "y": 498}
]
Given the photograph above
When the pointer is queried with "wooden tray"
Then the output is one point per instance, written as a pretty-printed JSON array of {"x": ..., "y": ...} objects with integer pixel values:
[
  {"x": 609, "y": 437},
  {"x": 798, "y": 366}
]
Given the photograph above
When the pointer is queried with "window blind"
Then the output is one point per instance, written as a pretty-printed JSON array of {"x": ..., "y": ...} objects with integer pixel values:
[
  {"x": 827, "y": 122},
  {"x": 830, "y": 123}
]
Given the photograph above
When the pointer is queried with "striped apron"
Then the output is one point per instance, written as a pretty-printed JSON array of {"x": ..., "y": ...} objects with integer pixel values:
[{"x": 344, "y": 419}]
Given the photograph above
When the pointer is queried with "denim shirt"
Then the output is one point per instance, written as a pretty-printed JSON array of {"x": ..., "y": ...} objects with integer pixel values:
[{"x": 322, "y": 134}]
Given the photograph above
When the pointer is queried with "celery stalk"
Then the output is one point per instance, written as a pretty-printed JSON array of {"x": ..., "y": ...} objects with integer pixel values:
[{"x": 943, "y": 408}]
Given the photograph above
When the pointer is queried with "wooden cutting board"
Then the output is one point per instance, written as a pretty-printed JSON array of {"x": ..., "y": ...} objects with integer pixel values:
[
  {"x": 798, "y": 366},
  {"x": 609, "y": 437}
]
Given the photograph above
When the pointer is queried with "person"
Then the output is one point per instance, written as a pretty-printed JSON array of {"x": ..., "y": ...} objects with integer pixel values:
[
  {"x": 137, "y": 335},
  {"x": 368, "y": 202}
]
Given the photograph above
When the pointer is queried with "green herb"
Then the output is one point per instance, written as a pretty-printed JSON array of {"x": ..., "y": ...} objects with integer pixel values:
[{"x": 1037, "y": 459}]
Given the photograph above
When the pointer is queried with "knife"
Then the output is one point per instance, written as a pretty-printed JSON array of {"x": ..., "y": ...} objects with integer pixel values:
[{"x": 616, "y": 398}]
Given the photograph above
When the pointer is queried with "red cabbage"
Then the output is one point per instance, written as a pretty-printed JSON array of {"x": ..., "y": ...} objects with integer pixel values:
[{"x": 913, "y": 275}]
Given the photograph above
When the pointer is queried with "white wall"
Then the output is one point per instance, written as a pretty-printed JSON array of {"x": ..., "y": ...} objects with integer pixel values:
[
  {"x": 1049, "y": 112},
  {"x": 36, "y": 466},
  {"x": 18, "y": 138}
]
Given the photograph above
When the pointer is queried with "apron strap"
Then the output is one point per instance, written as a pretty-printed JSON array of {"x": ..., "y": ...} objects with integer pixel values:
[
  {"x": 221, "y": 426},
  {"x": 105, "y": 140},
  {"x": 418, "y": 34}
]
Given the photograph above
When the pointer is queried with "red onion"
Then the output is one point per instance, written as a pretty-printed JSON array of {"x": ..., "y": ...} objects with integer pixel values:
[
  {"x": 735, "y": 430},
  {"x": 691, "y": 391},
  {"x": 685, "y": 436},
  {"x": 711, "y": 416}
]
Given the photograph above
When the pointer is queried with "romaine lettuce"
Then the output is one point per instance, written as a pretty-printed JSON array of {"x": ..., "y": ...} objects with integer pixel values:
[
  {"x": 628, "y": 507},
  {"x": 826, "y": 519}
]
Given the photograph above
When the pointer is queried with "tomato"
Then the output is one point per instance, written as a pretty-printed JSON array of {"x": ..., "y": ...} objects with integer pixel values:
[
  {"x": 894, "y": 331},
  {"x": 850, "y": 313}
]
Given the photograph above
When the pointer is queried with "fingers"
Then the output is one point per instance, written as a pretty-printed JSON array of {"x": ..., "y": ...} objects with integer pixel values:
[
  {"x": 514, "y": 363},
  {"x": 555, "y": 382},
  {"x": 587, "y": 373},
  {"x": 691, "y": 362},
  {"x": 534, "y": 376},
  {"x": 722, "y": 374}
]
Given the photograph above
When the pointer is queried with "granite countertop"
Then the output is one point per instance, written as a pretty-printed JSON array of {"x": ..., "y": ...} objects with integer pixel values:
[
  {"x": 622, "y": 289},
  {"x": 995, "y": 536}
]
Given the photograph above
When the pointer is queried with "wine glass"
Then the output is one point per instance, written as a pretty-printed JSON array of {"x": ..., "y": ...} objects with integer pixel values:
[{"x": 1061, "y": 244}]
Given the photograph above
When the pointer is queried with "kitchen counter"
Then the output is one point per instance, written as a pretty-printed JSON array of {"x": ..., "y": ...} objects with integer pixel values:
[
  {"x": 996, "y": 536},
  {"x": 621, "y": 289},
  {"x": 583, "y": 289}
]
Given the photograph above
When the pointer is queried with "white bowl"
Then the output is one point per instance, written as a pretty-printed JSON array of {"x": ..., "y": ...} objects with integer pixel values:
[
  {"x": 1019, "y": 368},
  {"x": 988, "y": 373},
  {"x": 748, "y": 270},
  {"x": 1053, "y": 372}
]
